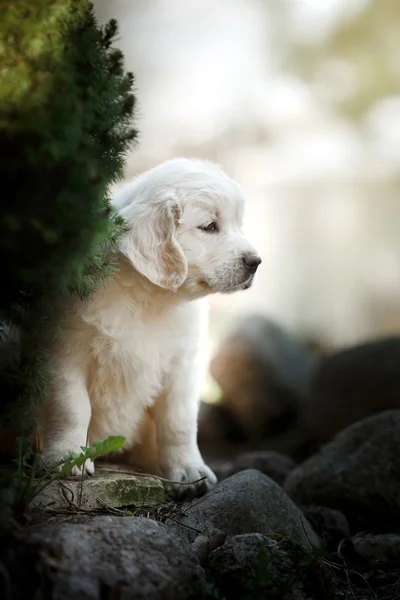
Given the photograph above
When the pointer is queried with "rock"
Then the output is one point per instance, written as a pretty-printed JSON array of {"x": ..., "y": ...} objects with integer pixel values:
[
  {"x": 248, "y": 502},
  {"x": 331, "y": 525},
  {"x": 277, "y": 466},
  {"x": 257, "y": 566},
  {"x": 380, "y": 549},
  {"x": 357, "y": 473},
  {"x": 130, "y": 558},
  {"x": 351, "y": 385},
  {"x": 107, "y": 487},
  {"x": 204, "y": 544},
  {"x": 263, "y": 373}
]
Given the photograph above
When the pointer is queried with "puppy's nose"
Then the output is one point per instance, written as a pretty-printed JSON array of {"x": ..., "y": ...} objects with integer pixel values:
[{"x": 252, "y": 262}]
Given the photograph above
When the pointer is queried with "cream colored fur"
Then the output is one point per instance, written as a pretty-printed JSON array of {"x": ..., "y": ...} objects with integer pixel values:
[{"x": 139, "y": 342}]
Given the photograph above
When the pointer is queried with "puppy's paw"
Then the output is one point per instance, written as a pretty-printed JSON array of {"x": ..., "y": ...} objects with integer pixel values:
[
  {"x": 88, "y": 469},
  {"x": 189, "y": 481},
  {"x": 53, "y": 458}
]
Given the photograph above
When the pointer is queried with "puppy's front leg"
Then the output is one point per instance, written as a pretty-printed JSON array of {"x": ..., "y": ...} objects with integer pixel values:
[
  {"x": 66, "y": 420},
  {"x": 175, "y": 415}
]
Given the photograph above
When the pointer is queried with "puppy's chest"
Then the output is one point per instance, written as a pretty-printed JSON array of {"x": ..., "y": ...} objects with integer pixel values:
[{"x": 136, "y": 362}]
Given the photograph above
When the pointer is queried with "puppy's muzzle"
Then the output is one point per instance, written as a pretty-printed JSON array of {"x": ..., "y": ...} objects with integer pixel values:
[{"x": 251, "y": 263}]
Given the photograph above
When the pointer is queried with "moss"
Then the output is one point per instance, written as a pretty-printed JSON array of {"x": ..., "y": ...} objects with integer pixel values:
[
  {"x": 113, "y": 490},
  {"x": 309, "y": 569},
  {"x": 128, "y": 492},
  {"x": 259, "y": 567}
]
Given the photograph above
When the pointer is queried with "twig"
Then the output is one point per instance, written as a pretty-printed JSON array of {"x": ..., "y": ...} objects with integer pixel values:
[
  {"x": 343, "y": 567},
  {"x": 82, "y": 474},
  {"x": 33, "y": 473},
  {"x": 185, "y": 525},
  {"x": 138, "y": 474},
  {"x": 306, "y": 533},
  {"x": 64, "y": 489},
  {"x": 347, "y": 570},
  {"x": 353, "y": 572},
  {"x": 349, "y": 585},
  {"x": 49, "y": 473},
  {"x": 112, "y": 508}
]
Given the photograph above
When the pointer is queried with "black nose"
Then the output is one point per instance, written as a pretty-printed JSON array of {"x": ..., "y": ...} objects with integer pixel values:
[{"x": 252, "y": 261}]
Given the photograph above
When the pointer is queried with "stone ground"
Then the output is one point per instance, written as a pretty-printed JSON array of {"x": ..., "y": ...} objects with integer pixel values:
[
  {"x": 347, "y": 495},
  {"x": 353, "y": 580}
]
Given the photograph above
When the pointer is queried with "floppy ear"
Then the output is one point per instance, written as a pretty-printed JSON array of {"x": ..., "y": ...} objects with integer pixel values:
[{"x": 151, "y": 244}]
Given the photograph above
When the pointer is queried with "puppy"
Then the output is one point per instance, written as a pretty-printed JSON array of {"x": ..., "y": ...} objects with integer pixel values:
[{"x": 138, "y": 343}]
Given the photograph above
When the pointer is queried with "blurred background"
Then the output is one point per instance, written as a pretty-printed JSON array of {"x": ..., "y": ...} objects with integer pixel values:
[{"x": 299, "y": 100}]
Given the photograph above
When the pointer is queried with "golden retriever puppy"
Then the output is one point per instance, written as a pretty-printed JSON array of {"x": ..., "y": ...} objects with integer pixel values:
[{"x": 138, "y": 342}]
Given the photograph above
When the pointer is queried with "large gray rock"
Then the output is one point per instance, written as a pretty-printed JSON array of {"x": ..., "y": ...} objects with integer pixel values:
[
  {"x": 351, "y": 385},
  {"x": 330, "y": 524},
  {"x": 113, "y": 557},
  {"x": 357, "y": 473},
  {"x": 248, "y": 502},
  {"x": 380, "y": 549},
  {"x": 275, "y": 465},
  {"x": 257, "y": 566}
]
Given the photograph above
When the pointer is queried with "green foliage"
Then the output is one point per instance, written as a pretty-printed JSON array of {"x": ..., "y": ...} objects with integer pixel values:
[
  {"x": 267, "y": 577},
  {"x": 66, "y": 109},
  {"x": 100, "y": 448},
  {"x": 257, "y": 585},
  {"x": 212, "y": 591},
  {"x": 31, "y": 476},
  {"x": 309, "y": 569}
]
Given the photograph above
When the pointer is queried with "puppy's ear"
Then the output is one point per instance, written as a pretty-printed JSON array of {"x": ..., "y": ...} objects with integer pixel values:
[{"x": 151, "y": 244}]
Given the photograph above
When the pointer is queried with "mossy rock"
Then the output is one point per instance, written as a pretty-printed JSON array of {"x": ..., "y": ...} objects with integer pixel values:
[
  {"x": 309, "y": 568},
  {"x": 255, "y": 566},
  {"x": 106, "y": 488}
]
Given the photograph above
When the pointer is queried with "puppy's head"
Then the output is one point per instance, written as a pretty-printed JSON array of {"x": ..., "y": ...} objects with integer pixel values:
[{"x": 184, "y": 229}]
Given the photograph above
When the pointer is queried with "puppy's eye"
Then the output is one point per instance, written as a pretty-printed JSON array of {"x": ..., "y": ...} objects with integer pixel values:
[{"x": 211, "y": 227}]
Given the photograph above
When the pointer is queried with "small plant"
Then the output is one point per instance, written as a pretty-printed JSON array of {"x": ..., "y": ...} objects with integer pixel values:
[
  {"x": 272, "y": 573},
  {"x": 212, "y": 591},
  {"x": 309, "y": 568},
  {"x": 257, "y": 584},
  {"x": 33, "y": 476},
  {"x": 100, "y": 448}
]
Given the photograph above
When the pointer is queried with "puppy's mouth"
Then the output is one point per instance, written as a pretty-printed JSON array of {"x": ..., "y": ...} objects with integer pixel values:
[
  {"x": 245, "y": 285},
  {"x": 237, "y": 287},
  {"x": 225, "y": 283}
]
